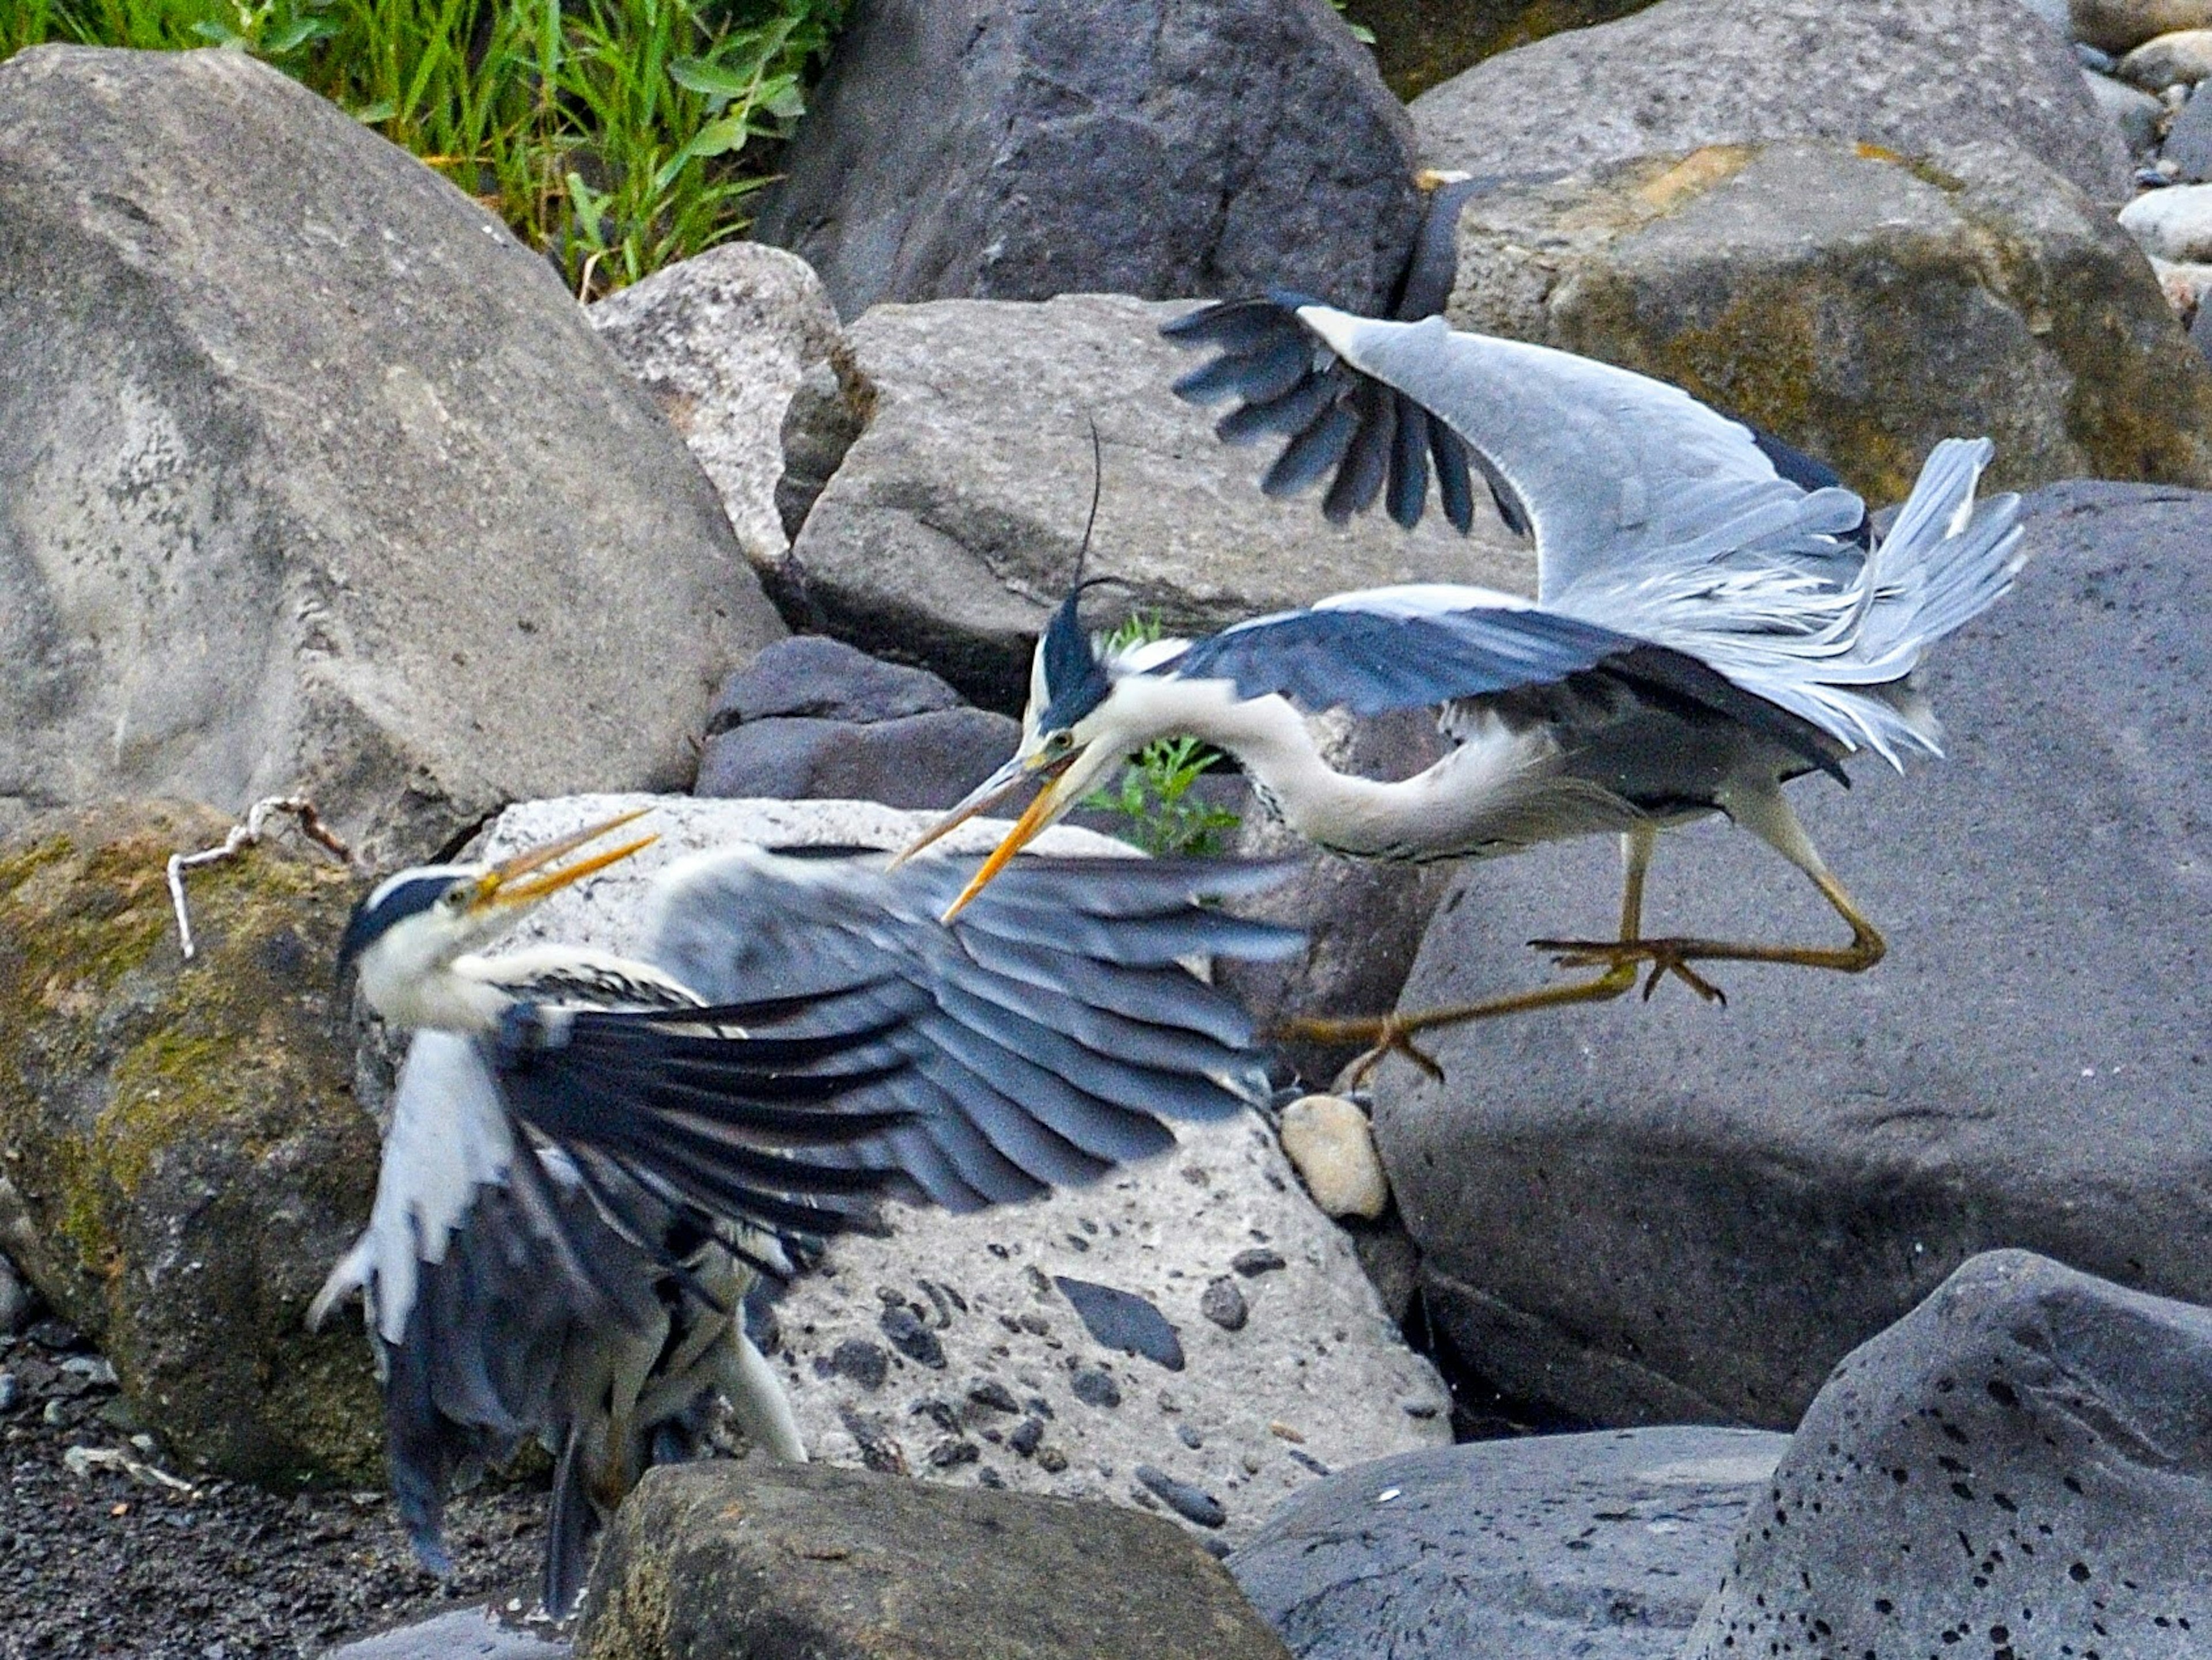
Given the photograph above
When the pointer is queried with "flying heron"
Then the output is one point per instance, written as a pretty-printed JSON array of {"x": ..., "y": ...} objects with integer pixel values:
[
  {"x": 592, "y": 1157},
  {"x": 1714, "y": 617}
]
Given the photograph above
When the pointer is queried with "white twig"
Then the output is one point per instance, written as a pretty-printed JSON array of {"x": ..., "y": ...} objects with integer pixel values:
[{"x": 243, "y": 836}]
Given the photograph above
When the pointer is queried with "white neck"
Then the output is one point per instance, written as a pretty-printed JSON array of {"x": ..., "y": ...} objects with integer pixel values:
[{"x": 454, "y": 996}]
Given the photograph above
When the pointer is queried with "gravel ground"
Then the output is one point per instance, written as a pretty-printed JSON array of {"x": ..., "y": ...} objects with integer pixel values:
[{"x": 110, "y": 1563}]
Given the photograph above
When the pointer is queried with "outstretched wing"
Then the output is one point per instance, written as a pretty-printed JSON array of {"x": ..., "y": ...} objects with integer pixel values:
[
  {"x": 1598, "y": 464},
  {"x": 1434, "y": 644},
  {"x": 1046, "y": 1036}
]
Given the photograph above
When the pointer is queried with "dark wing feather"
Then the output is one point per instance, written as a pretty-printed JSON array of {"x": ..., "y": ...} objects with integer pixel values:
[{"x": 1051, "y": 1029}]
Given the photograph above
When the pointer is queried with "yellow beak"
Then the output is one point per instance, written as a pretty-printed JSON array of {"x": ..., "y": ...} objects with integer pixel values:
[
  {"x": 523, "y": 878},
  {"x": 1048, "y": 806}
]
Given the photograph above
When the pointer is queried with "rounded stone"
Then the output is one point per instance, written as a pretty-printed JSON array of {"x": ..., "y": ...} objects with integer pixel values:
[{"x": 1331, "y": 1142}]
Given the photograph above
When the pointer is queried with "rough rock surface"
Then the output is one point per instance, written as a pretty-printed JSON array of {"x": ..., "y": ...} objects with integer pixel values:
[
  {"x": 1603, "y": 1545},
  {"x": 2172, "y": 224},
  {"x": 955, "y": 521},
  {"x": 782, "y": 1558},
  {"x": 1021, "y": 148},
  {"x": 2188, "y": 143},
  {"x": 1686, "y": 73},
  {"x": 1860, "y": 306},
  {"x": 314, "y": 478},
  {"x": 948, "y": 1349},
  {"x": 2135, "y": 113},
  {"x": 2022, "y": 1463},
  {"x": 721, "y": 342},
  {"x": 2181, "y": 58},
  {"x": 183, "y": 1156},
  {"x": 810, "y": 718},
  {"x": 1663, "y": 1211},
  {"x": 2121, "y": 25},
  {"x": 1418, "y": 43}
]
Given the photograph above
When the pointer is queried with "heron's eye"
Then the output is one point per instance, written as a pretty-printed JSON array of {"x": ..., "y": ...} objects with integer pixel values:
[
  {"x": 1059, "y": 742},
  {"x": 454, "y": 899}
]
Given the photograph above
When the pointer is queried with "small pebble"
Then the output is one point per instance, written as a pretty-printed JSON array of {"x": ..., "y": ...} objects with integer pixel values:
[
  {"x": 57, "y": 1413},
  {"x": 11, "y": 1391},
  {"x": 1257, "y": 1260},
  {"x": 988, "y": 1477},
  {"x": 1051, "y": 1460},
  {"x": 1193, "y": 1504},
  {"x": 947, "y": 1453},
  {"x": 1094, "y": 1387},
  {"x": 90, "y": 1368},
  {"x": 1027, "y": 1436},
  {"x": 864, "y": 1362},
  {"x": 1225, "y": 1305},
  {"x": 911, "y": 1338},
  {"x": 1189, "y": 1437},
  {"x": 995, "y": 1395}
]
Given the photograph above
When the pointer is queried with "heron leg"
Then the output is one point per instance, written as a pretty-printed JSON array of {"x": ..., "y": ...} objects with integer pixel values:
[
  {"x": 1767, "y": 815},
  {"x": 1394, "y": 1034},
  {"x": 756, "y": 1396}
]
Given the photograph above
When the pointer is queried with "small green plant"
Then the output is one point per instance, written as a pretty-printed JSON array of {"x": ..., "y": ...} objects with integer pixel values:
[
  {"x": 1154, "y": 793},
  {"x": 1154, "y": 796},
  {"x": 615, "y": 136},
  {"x": 1360, "y": 32}
]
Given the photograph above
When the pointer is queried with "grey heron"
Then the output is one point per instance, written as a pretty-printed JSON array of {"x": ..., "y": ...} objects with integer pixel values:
[
  {"x": 1714, "y": 617},
  {"x": 591, "y": 1156}
]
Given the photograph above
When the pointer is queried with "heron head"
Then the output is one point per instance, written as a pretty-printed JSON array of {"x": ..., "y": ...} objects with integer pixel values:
[
  {"x": 1070, "y": 734},
  {"x": 414, "y": 924}
]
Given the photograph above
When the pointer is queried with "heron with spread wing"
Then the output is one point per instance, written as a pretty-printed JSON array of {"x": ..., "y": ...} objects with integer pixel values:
[
  {"x": 1714, "y": 617},
  {"x": 592, "y": 1157}
]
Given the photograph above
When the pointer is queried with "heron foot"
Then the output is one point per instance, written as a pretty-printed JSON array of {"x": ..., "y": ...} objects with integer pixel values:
[
  {"x": 1384, "y": 1035},
  {"x": 1665, "y": 956}
]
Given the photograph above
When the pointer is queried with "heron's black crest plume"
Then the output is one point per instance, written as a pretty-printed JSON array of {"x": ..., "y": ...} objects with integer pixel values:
[
  {"x": 1074, "y": 680},
  {"x": 407, "y": 895}
]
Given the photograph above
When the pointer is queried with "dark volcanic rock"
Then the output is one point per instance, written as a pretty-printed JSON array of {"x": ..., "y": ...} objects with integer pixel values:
[
  {"x": 1690, "y": 72},
  {"x": 992, "y": 150},
  {"x": 184, "y": 1156},
  {"x": 1666, "y": 1210},
  {"x": 1123, "y": 1319},
  {"x": 812, "y": 678},
  {"x": 2022, "y": 1464},
  {"x": 803, "y": 1559},
  {"x": 1601, "y": 1545},
  {"x": 917, "y": 761},
  {"x": 316, "y": 479}
]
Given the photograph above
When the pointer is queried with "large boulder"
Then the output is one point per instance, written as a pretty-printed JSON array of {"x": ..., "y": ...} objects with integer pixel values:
[
  {"x": 1418, "y": 43},
  {"x": 721, "y": 342},
  {"x": 1190, "y": 1336},
  {"x": 1912, "y": 76},
  {"x": 2023, "y": 1462},
  {"x": 2120, "y": 26},
  {"x": 1858, "y": 304},
  {"x": 955, "y": 521},
  {"x": 1660, "y": 1211},
  {"x": 184, "y": 1157},
  {"x": 797, "y": 1560},
  {"x": 1021, "y": 148},
  {"x": 1603, "y": 1545},
  {"x": 312, "y": 478}
]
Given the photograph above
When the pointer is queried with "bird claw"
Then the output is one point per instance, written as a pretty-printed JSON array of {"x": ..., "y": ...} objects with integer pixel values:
[
  {"x": 1666, "y": 957},
  {"x": 1393, "y": 1037}
]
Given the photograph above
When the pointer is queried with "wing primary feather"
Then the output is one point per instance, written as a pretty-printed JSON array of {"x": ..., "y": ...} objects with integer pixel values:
[
  {"x": 1367, "y": 460},
  {"x": 1312, "y": 453}
]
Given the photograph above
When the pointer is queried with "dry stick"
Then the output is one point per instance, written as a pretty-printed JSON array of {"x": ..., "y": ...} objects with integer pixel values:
[{"x": 243, "y": 836}]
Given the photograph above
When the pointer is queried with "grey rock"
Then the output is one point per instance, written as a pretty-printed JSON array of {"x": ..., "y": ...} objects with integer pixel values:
[
  {"x": 2120, "y": 26},
  {"x": 185, "y": 1155},
  {"x": 2027, "y": 1065},
  {"x": 911, "y": 1338},
  {"x": 18, "y": 1303},
  {"x": 2134, "y": 112},
  {"x": 721, "y": 342},
  {"x": 2182, "y": 58},
  {"x": 362, "y": 507},
  {"x": 956, "y": 521},
  {"x": 474, "y": 1633},
  {"x": 1257, "y": 1261},
  {"x": 913, "y": 760},
  {"x": 803, "y": 1559},
  {"x": 1194, "y": 1504},
  {"x": 993, "y": 149},
  {"x": 1318, "y": 1353},
  {"x": 1686, "y": 73},
  {"x": 1094, "y": 1386},
  {"x": 1363, "y": 920},
  {"x": 2188, "y": 142},
  {"x": 1859, "y": 306},
  {"x": 1121, "y": 1319},
  {"x": 1603, "y": 1545},
  {"x": 2022, "y": 1462},
  {"x": 11, "y": 1391},
  {"x": 1225, "y": 1305},
  {"x": 864, "y": 1362},
  {"x": 2174, "y": 224},
  {"x": 811, "y": 678}
]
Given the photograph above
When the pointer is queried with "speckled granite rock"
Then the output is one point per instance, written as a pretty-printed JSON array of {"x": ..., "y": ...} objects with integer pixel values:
[
  {"x": 2021, "y": 1466},
  {"x": 948, "y": 1350},
  {"x": 1603, "y": 1545},
  {"x": 720, "y": 1561}
]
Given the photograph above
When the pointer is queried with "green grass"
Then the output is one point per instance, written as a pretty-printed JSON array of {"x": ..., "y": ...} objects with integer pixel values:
[{"x": 615, "y": 135}]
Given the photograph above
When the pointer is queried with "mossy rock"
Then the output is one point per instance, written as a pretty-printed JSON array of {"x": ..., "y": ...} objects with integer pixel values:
[
  {"x": 1418, "y": 43},
  {"x": 180, "y": 1140},
  {"x": 1858, "y": 303}
]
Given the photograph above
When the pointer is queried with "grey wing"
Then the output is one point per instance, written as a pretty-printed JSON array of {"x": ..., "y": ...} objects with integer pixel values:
[
  {"x": 1600, "y": 465},
  {"x": 1046, "y": 1036},
  {"x": 486, "y": 1275}
]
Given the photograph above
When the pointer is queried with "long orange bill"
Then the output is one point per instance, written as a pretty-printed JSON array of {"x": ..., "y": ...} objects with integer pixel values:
[
  {"x": 1040, "y": 814},
  {"x": 511, "y": 881},
  {"x": 988, "y": 793}
]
